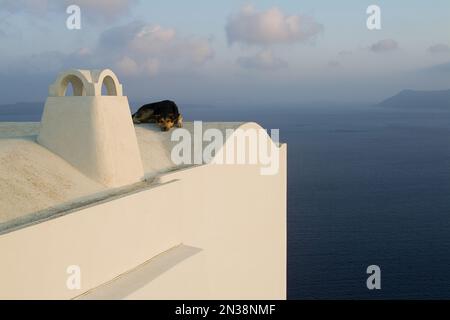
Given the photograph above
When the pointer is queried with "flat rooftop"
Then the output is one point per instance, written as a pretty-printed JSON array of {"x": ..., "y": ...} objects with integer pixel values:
[{"x": 36, "y": 183}]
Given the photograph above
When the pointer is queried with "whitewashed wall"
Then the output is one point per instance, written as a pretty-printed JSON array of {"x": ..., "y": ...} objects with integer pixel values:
[{"x": 235, "y": 215}]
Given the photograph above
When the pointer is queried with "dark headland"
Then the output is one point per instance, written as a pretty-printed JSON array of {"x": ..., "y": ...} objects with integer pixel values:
[{"x": 413, "y": 99}]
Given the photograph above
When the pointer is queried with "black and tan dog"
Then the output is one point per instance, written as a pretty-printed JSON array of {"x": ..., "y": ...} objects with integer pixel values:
[{"x": 164, "y": 113}]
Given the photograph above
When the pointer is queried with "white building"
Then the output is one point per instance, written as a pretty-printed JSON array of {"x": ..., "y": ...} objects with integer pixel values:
[{"x": 93, "y": 207}]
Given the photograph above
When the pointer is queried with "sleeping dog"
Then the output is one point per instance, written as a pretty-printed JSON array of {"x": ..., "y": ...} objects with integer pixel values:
[{"x": 164, "y": 113}]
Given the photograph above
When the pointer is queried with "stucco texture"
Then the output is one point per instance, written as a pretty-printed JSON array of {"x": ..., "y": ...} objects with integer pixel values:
[{"x": 33, "y": 179}]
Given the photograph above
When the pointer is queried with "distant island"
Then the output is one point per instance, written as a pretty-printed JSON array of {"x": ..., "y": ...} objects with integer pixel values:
[{"x": 414, "y": 99}]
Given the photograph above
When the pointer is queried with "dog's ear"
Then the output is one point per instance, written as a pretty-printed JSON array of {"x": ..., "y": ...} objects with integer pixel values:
[{"x": 179, "y": 121}]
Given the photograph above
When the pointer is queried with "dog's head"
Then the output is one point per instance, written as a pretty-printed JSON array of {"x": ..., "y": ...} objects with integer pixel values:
[
  {"x": 166, "y": 122},
  {"x": 142, "y": 116}
]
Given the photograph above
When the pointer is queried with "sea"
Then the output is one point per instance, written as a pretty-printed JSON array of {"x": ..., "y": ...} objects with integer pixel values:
[{"x": 367, "y": 186}]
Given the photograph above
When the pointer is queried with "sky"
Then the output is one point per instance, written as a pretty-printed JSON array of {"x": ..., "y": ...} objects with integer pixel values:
[{"x": 229, "y": 52}]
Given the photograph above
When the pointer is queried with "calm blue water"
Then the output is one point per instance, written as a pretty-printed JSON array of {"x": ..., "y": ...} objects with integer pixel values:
[{"x": 365, "y": 186}]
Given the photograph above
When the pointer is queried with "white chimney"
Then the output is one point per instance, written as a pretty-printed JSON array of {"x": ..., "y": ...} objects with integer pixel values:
[{"x": 92, "y": 132}]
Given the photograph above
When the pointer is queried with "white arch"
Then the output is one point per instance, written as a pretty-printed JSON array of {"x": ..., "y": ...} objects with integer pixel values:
[
  {"x": 77, "y": 85},
  {"x": 80, "y": 80},
  {"x": 86, "y": 83},
  {"x": 107, "y": 77},
  {"x": 111, "y": 89}
]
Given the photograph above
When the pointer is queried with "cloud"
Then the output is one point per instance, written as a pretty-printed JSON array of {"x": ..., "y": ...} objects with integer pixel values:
[
  {"x": 36, "y": 7},
  {"x": 333, "y": 64},
  {"x": 253, "y": 27},
  {"x": 439, "y": 48},
  {"x": 344, "y": 53},
  {"x": 108, "y": 9},
  {"x": 48, "y": 61},
  {"x": 263, "y": 60},
  {"x": 127, "y": 66},
  {"x": 152, "y": 47},
  {"x": 385, "y": 45},
  {"x": 94, "y": 10},
  {"x": 133, "y": 49}
]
